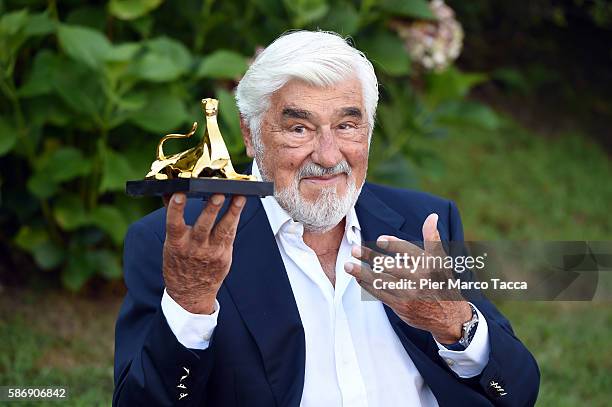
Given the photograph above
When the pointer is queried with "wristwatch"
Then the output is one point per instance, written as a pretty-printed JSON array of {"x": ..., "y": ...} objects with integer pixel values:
[{"x": 469, "y": 328}]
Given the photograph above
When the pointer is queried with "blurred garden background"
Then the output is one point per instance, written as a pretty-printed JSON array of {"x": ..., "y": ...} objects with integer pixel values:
[{"x": 503, "y": 106}]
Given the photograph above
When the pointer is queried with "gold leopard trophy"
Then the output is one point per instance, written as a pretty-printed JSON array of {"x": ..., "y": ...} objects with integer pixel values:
[{"x": 209, "y": 159}]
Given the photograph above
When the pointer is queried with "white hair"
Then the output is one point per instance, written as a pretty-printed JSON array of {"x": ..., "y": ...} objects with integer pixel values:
[{"x": 319, "y": 58}]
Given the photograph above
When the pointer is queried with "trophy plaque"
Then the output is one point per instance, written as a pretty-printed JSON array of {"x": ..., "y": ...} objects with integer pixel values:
[{"x": 200, "y": 171}]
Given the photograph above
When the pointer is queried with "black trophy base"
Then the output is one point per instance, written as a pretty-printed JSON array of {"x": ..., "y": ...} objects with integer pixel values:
[{"x": 198, "y": 187}]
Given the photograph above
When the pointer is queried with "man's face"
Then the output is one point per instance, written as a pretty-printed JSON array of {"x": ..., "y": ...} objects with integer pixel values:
[{"x": 308, "y": 125}]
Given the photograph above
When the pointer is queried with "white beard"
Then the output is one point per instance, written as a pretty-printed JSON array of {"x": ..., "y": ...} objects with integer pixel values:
[{"x": 328, "y": 209}]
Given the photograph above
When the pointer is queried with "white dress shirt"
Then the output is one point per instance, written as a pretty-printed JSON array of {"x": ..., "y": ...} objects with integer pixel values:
[{"x": 353, "y": 356}]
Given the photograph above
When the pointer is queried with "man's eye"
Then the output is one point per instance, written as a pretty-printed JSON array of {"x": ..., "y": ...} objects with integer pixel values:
[
  {"x": 298, "y": 129},
  {"x": 346, "y": 126}
]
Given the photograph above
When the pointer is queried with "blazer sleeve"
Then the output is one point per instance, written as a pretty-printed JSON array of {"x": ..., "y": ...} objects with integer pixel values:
[
  {"x": 511, "y": 367},
  {"x": 152, "y": 367}
]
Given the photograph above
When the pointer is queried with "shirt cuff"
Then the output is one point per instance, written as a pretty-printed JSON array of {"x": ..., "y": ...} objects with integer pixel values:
[
  {"x": 471, "y": 361},
  {"x": 193, "y": 331}
]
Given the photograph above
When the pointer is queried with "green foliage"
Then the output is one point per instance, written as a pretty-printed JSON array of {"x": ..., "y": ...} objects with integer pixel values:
[
  {"x": 132, "y": 9},
  {"x": 88, "y": 90},
  {"x": 222, "y": 64}
]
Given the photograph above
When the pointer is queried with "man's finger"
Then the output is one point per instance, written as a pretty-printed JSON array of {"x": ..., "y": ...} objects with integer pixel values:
[
  {"x": 431, "y": 236},
  {"x": 381, "y": 263},
  {"x": 393, "y": 244},
  {"x": 175, "y": 221},
  {"x": 365, "y": 254},
  {"x": 206, "y": 220},
  {"x": 225, "y": 230},
  {"x": 365, "y": 278}
]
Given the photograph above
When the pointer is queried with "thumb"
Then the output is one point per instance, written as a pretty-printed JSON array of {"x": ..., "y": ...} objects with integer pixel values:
[{"x": 431, "y": 237}]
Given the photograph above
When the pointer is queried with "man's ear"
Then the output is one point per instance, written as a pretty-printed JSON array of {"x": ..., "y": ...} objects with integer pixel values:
[{"x": 247, "y": 137}]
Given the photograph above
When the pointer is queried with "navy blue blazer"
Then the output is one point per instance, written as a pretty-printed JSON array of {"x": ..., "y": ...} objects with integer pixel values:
[{"x": 257, "y": 354}]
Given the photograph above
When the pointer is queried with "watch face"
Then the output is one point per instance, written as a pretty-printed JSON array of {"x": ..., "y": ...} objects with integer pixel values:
[{"x": 469, "y": 328}]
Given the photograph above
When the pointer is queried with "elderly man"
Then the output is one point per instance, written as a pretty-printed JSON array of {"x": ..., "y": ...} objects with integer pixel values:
[{"x": 258, "y": 302}]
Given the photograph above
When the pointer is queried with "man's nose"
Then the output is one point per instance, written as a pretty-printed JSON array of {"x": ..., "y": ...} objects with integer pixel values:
[{"x": 326, "y": 151}]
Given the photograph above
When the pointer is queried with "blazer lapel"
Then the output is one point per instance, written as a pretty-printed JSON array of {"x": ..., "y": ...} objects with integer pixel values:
[{"x": 260, "y": 288}]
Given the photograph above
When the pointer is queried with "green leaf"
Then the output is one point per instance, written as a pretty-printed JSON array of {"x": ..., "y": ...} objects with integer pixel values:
[
  {"x": 127, "y": 106},
  {"x": 67, "y": 163},
  {"x": 165, "y": 60},
  {"x": 40, "y": 79},
  {"x": 12, "y": 36},
  {"x": 81, "y": 266},
  {"x": 35, "y": 241},
  {"x": 408, "y": 8},
  {"x": 84, "y": 264},
  {"x": 69, "y": 212},
  {"x": 28, "y": 237},
  {"x": 117, "y": 170},
  {"x": 48, "y": 255},
  {"x": 306, "y": 11},
  {"x": 123, "y": 52},
  {"x": 143, "y": 25},
  {"x": 45, "y": 109},
  {"x": 40, "y": 24},
  {"x": 463, "y": 113},
  {"x": 110, "y": 220},
  {"x": 15, "y": 28},
  {"x": 387, "y": 53},
  {"x": 84, "y": 45},
  {"x": 222, "y": 64},
  {"x": 8, "y": 136},
  {"x": 162, "y": 114},
  {"x": 132, "y": 9},
  {"x": 88, "y": 97},
  {"x": 450, "y": 84},
  {"x": 230, "y": 119},
  {"x": 11, "y": 23},
  {"x": 40, "y": 186},
  {"x": 343, "y": 18},
  {"x": 63, "y": 164},
  {"x": 107, "y": 264}
]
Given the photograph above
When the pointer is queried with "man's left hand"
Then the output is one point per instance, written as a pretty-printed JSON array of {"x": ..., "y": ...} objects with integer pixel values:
[{"x": 439, "y": 311}]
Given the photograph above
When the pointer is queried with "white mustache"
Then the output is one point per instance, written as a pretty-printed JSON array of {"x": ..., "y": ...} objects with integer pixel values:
[{"x": 315, "y": 170}]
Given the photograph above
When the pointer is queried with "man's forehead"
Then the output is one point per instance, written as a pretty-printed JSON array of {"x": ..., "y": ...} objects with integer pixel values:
[{"x": 299, "y": 92}]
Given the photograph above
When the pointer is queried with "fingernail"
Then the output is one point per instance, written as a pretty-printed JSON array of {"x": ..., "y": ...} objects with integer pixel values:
[
  {"x": 348, "y": 267},
  {"x": 178, "y": 198},
  {"x": 383, "y": 242},
  {"x": 217, "y": 199},
  {"x": 356, "y": 251},
  {"x": 239, "y": 201}
]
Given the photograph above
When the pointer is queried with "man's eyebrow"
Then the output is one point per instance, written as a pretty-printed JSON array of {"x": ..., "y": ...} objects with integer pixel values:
[
  {"x": 351, "y": 111},
  {"x": 293, "y": 113}
]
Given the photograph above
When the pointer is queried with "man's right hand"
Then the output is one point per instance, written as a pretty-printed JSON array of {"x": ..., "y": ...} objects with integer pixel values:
[{"x": 197, "y": 258}]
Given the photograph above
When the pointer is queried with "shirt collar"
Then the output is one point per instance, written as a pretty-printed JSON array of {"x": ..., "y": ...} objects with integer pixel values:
[{"x": 278, "y": 217}]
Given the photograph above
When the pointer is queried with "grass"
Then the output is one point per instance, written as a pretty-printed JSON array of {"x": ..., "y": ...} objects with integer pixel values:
[
  {"x": 511, "y": 184},
  {"x": 508, "y": 184},
  {"x": 571, "y": 342},
  {"x": 53, "y": 339}
]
